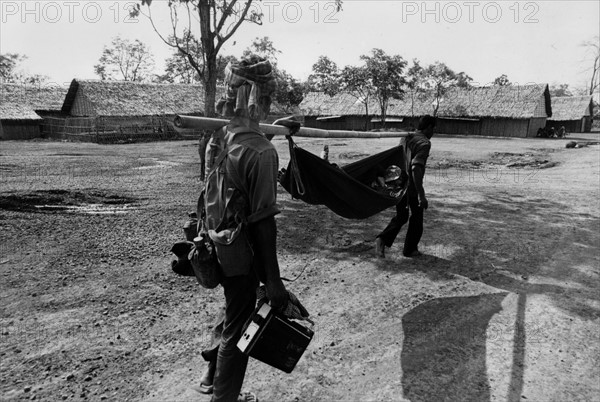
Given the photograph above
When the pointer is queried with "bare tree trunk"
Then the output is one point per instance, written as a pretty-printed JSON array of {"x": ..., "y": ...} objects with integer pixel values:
[
  {"x": 594, "y": 81},
  {"x": 210, "y": 57},
  {"x": 210, "y": 87},
  {"x": 383, "y": 105}
]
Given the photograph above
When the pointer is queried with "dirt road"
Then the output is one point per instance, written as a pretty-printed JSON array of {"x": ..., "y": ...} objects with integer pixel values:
[{"x": 503, "y": 306}]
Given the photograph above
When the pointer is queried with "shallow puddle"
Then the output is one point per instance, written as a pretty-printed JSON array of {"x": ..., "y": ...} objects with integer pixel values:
[{"x": 92, "y": 209}]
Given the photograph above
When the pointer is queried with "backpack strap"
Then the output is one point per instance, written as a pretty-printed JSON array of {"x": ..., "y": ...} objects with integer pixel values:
[
  {"x": 201, "y": 199},
  {"x": 218, "y": 161},
  {"x": 222, "y": 155}
]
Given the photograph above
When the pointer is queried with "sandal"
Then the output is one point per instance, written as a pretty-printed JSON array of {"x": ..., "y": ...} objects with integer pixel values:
[
  {"x": 203, "y": 389},
  {"x": 247, "y": 397},
  {"x": 206, "y": 382}
]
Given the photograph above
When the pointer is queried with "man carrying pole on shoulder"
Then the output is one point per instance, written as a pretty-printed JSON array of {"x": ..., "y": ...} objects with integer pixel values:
[{"x": 240, "y": 202}]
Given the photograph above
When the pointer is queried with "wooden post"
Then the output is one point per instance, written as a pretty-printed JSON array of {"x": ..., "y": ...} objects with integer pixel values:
[{"x": 206, "y": 123}]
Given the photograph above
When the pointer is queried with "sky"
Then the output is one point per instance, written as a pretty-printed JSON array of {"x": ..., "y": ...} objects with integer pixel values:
[{"x": 529, "y": 41}]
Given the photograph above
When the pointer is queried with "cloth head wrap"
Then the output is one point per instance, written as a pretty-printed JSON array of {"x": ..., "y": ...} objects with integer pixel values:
[{"x": 250, "y": 84}]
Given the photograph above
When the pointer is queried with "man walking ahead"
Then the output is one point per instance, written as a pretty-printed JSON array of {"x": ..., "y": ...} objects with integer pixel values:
[
  {"x": 240, "y": 206},
  {"x": 416, "y": 148}
]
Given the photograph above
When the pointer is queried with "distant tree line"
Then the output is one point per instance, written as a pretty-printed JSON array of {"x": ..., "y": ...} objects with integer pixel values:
[
  {"x": 384, "y": 77},
  {"x": 380, "y": 77}
]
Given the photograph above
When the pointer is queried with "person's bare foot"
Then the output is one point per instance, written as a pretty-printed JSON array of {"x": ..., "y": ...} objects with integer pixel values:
[
  {"x": 379, "y": 248},
  {"x": 206, "y": 382}
]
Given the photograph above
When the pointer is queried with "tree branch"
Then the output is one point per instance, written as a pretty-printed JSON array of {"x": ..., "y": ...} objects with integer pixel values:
[
  {"x": 226, "y": 12},
  {"x": 149, "y": 16},
  {"x": 222, "y": 39}
]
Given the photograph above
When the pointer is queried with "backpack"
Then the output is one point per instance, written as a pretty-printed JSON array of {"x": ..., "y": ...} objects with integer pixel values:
[
  {"x": 225, "y": 211},
  {"x": 203, "y": 254}
]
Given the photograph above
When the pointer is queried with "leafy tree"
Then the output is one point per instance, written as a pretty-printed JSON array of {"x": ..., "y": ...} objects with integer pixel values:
[
  {"x": 178, "y": 68},
  {"x": 289, "y": 91},
  {"x": 9, "y": 73},
  {"x": 129, "y": 60},
  {"x": 263, "y": 47},
  {"x": 325, "y": 77},
  {"x": 463, "y": 80},
  {"x": 8, "y": 64},
  {"x": 33, "y": 79},
  {"x": 560, "y": 90},
  {"x": 386, "y": 76},
  {"x": 357, "y": 82},
  {"x": 414, "y": 82},
  {"x": 438, "y": 79},
  {"x": 380, "y": 78},
  {"x": 502, "y": 80},
  {"x": 217, "y": 21}
]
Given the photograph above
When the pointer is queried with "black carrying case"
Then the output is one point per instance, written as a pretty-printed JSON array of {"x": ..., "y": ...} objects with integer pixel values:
[{"x": 273, "y": 339}]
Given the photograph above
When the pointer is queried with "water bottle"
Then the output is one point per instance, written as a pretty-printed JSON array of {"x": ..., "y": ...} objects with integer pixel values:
[{"x": 190, "y": 228}]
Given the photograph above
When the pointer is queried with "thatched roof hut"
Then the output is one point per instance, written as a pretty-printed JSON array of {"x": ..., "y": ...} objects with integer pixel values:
[
  {"x": 496, "y": 110},
  {"x": 571, "y": 107},
  {"x": 97, "y": 98},
  {"x": 342, "y": 104},
  {"x": 18, "y": 122},
  {"x": 343, "y": 111},
  {"x": 22, "y": 108},
  {"x": 512, "y": 101},
  {"x": 495, "y": 101},
  {"x": 573, "y": 112}
]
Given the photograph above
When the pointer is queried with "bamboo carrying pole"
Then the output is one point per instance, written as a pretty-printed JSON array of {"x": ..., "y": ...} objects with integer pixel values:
[{"x": 207, "y": 123}]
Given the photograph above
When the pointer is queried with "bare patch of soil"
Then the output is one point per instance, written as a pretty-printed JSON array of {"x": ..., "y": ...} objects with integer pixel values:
[
  {"x": 531, "y": 160},
  {"x": 64, "y": 200},
  {"x": 521, "y": 160}
]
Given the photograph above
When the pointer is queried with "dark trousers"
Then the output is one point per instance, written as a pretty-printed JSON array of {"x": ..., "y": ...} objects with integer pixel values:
[
  {"x": 415, "y": 224},
  {"x": 240, "y": 301},
  {"x": 210, "y": 353}
]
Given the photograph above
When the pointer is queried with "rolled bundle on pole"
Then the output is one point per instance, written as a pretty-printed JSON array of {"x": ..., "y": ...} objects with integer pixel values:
[{"x": 207, "y": 123}]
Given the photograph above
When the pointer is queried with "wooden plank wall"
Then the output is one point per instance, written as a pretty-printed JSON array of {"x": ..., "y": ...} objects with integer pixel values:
[
  {"x": 460, "y": 127},
  {"x": 504, "y": 127},
  {"x": 20, "y": 130}
]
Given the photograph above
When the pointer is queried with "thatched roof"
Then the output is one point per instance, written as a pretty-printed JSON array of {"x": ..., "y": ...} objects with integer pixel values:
[
  {"x": 571, "y": 107},
  {"x": 20, "y": 102},
  {"x": 495, "y": 101},
  {"x": 126, "y": 98},
  {"x": 513, "y": 101},
  {"x": 42, "y": 97},
  {"x": 15, "y": 111},
  {"x": 342, "y": 104}
]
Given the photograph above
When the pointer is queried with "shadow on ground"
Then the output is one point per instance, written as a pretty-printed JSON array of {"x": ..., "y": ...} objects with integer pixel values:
[
  {"x": 444, "y": 348},
  {"x": 515, "y": 243}
]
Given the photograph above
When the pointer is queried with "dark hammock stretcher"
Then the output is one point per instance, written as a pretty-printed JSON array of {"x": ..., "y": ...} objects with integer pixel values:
[{"x": 344, "y": 190}]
